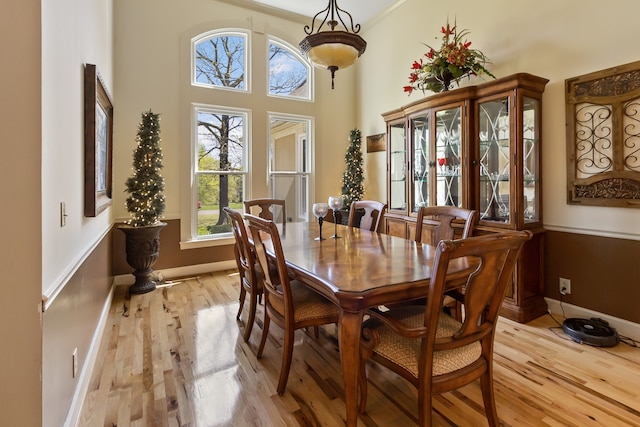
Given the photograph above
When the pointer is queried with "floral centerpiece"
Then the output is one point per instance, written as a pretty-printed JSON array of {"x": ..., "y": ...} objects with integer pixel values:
[{"x": 453, "y": 61}]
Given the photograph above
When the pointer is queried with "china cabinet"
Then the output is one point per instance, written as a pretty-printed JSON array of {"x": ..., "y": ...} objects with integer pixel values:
[{"x": 476, "y": 147}]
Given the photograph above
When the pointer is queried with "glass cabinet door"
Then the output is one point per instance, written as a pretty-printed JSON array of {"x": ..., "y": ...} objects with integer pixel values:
[
  {"x": 448, "y": 155},
  {"x": 531, "y": 159},
  {"x": 397, "y": 167},
  {"x": 494, "y": 136},
  {"x": 421, "y": 161}
]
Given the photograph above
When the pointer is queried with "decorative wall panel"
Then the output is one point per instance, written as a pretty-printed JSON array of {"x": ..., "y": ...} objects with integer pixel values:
[{"x": 603, "y": 137}]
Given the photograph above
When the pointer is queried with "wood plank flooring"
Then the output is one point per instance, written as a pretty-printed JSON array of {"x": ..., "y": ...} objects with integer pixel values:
[{"x": 175, "y": 357}]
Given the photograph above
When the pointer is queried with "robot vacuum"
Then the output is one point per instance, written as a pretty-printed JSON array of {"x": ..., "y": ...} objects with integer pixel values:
[{"x": 595, "y": 332}]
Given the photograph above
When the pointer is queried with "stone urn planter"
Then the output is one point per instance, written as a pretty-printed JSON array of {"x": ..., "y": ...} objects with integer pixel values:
[{"x": 142, "y": 247}]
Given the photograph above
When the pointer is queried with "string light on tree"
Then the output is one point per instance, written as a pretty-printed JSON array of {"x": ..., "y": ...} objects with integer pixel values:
[
  {"x": 353, "y": 176},
  {"x": 146, "y": 203}
]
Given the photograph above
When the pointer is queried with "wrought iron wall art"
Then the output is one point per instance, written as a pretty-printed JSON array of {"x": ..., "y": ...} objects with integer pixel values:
[{"x": 603, "y": 137}]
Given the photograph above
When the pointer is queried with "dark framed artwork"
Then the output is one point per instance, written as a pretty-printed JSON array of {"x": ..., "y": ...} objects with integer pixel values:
[
  {"x": 376, "y": 143},
  {"x": 98, "y": 143},
  {"x": 603, "y": 137}
]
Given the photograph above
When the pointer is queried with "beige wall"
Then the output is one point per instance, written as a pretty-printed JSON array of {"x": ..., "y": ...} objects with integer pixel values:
[
  {"x": 44, "y": 46},
  {"x": 20, "y": 251},
  {"x": 152, "y": 35},
  {"x": 142, "y": 58},
  {"x": 553, "y": 39}
]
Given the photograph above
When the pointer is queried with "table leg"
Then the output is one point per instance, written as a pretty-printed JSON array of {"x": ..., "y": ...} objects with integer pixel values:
[{"x": 350, "y": 324}]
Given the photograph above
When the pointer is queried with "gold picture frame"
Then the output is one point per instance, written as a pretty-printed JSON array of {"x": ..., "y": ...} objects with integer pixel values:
[
  {"x": 98, "y": 143},
  {"x": 376, "y": 143}
]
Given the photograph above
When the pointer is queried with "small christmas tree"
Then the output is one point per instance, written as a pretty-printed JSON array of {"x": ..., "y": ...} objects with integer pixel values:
[
  {"x": 352, "y": 188},
  {"x": 146, "y": 202}
]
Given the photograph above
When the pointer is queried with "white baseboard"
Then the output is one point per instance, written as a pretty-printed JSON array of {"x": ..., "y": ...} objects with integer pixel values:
[
  {"x": 624, "y": 327},
  {"x": 73, "y": 416},
  {"x": 174, "y": 273}
]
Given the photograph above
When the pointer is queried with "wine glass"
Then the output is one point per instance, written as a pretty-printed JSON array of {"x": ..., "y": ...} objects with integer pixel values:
[
  {"x": 320, "y": 210},
  {"x": 335, "y": 203},
  {"x": 442, "y": 161}
]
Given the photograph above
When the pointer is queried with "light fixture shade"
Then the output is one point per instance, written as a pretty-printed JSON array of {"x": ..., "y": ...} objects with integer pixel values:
[{"x": 333, "y": 49}]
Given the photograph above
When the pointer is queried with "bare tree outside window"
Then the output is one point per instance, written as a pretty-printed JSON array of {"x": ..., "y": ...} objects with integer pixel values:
[
  {"x": 220, "y": 61},
  {"x": 220, "y": 166},
  {"x": 288, "y": 74}
]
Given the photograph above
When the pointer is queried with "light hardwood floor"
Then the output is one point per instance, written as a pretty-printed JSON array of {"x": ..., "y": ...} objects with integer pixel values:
[{"x": 175, "y": 357}]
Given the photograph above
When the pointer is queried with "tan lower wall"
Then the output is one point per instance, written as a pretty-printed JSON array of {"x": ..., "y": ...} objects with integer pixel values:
[
  {"x": 171, "y": 256},
  {"x": 604, "y": 272},
  {"x": 71, "y": 321}
]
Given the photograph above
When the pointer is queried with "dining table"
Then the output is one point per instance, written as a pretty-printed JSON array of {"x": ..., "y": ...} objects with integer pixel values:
[{"x": 358, "y": 270}]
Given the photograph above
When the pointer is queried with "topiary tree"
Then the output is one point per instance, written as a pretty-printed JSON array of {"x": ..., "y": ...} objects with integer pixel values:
[
  {"x": 353, "y": 176},
  {"x": 146, "y": 202}
]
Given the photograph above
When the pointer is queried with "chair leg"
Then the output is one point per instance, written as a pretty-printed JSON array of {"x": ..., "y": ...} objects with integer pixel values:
[
  {"x": 425, "y": 405},
  {"x": 362, "y": 382},
  {"x": 243, "y": 293},
  {"x": 316, "y": 331},
  {"x": 456, "y": 310},
  {"x": 265, "y": 332},
  {"x": 287, "y": 355},
  {"x": 488, "y": 397},
  {"x": 253, "y": 299}
]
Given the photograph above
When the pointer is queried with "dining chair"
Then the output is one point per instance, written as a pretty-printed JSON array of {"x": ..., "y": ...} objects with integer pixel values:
[
  {"x": 251, "y": 276},
  {"x": 439, "y": 223},
  {"x": 271, "y": 209},
  {"x": 289, "y": 303},
  {"x": 439, "y": 220},
  {"x": 435, "y": 352},
  {"x": 374, "y": 211}
]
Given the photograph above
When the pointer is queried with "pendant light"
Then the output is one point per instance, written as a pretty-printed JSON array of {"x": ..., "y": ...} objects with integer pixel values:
[{"x": 332, "y": 49}]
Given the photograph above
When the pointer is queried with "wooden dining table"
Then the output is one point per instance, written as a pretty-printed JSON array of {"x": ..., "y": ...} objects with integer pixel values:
[{"x": 358, "y": 270}]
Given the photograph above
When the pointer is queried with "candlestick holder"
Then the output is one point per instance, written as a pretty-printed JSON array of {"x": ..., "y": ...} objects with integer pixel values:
[
  {"x": 320, "y": 210},
  {"x": 336, "y": 203}
]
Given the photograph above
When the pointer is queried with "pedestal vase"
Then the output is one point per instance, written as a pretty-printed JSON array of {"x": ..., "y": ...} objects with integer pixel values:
[{"x": 142, "y": 247}]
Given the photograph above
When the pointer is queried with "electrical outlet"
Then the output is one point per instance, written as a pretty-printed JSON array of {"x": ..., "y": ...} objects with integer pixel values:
[
  {"x": 564, "y": 286},
  {"x": 75, "y": 362}
]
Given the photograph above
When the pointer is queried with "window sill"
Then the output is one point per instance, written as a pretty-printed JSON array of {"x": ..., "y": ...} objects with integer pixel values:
[{"x": 207, "y": 243}]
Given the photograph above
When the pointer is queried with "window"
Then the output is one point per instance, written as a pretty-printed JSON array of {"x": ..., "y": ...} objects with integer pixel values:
[
  {"x": 289, "y": 163},
  {"x": 220, "y": 60},
  {"x": 225, "y": 166},
  {"x": 220, "y": 166},
  {"x": 288, "y": 72}
]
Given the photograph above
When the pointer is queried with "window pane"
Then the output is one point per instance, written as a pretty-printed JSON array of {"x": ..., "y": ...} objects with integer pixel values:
[
  {"x": 219, "y": 167},
  {"x": 215, "y": 190},
  {"x": 220, "y": 61},
  {"x": 288, "y": 73},
  {"x": 220, "y": 142},
  {"x": 289, "y": 159}
]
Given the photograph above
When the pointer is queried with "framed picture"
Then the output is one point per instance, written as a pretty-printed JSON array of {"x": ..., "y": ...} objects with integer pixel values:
[
  {"x": 376, "y": 143},
  {"x": 98, "y": 143}
]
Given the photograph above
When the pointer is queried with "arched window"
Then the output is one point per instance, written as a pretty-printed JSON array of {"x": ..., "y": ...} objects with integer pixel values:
[
  {"x": 289, "y": 73},
  {"x": 222, "y": 153},
  {"x": 220, "y": 60}
]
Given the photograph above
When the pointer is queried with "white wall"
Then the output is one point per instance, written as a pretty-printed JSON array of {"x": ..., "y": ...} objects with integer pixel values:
[
  {"x": 550, "y": 38},
  {"x": 74, "y": 32}
]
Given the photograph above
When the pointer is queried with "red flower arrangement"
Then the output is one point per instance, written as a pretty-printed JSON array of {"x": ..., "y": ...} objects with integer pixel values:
[{"x": 454, "y": 60}]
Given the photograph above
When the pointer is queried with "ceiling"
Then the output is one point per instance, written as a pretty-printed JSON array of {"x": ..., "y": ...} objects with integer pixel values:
[{"x": 360, "y": 10}]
